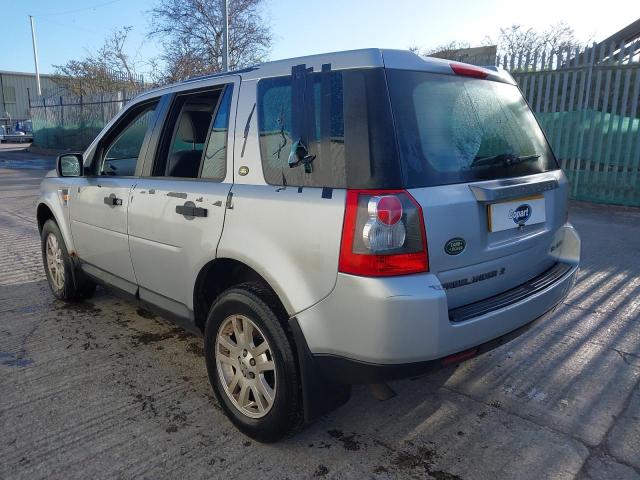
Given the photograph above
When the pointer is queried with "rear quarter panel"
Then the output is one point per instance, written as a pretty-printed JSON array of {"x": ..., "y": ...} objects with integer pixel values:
[
  {"x": 291, "y": 238},
  {"x": 289, "y": 235}
]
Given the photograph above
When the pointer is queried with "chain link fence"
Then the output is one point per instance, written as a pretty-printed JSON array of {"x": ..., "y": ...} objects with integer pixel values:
[{"x": 71, "y": 122}]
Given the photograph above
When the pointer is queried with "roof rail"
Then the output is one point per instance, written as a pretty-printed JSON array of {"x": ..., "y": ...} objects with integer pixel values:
[{"x": 220, "y": 74}]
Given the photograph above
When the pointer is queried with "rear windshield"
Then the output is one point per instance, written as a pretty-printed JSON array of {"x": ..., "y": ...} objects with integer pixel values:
[{"x": 454, "y": 129}]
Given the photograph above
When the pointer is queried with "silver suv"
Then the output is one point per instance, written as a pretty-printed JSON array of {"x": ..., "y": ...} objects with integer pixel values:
[{"x": 353, "y": 217}]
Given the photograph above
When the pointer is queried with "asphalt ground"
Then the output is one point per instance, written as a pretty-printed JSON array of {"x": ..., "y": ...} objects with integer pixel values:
[{"x": 103, "y": 389}]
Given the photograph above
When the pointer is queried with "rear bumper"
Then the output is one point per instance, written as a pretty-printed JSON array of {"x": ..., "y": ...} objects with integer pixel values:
[{"x": 375, "y": 329}]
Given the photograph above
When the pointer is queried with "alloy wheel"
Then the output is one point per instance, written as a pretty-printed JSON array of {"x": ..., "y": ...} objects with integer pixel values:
[
  {"x": 55, "y": 262},
  {"x": 245, "y": 365}
]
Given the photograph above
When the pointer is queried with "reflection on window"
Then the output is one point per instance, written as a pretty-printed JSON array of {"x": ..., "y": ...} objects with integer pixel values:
[
  {"x": 122, "y": 155},
  {"x": 275, "y": 124},
  {"x": 215, "y": 159}
]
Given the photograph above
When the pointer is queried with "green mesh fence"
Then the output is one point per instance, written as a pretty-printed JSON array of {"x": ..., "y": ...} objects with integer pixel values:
[
  {"x": 599, "y": 152},
  {"x": 71, "y": 123}
]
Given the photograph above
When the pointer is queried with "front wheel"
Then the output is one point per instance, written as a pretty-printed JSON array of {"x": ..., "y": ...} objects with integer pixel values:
[
  {"x": 251, "y": 364},
  {"x": 65, "y": 280}
]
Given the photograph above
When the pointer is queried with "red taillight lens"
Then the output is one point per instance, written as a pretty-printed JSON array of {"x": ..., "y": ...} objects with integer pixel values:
[
  {"x": 383, "y": 234},
  {"x": 468, "y": 70},
  {"x": 387, "y": 209}
]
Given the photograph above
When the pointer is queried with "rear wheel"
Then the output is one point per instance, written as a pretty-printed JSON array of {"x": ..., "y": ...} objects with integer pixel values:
[
  {"x": 251, "y": 364},
  {"x": 65, "y": 280}
]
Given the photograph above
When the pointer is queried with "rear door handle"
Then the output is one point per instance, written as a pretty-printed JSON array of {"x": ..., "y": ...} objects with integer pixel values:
[
  {"x": 112, "y": 200},
  {"x": 190, "y": 210}
]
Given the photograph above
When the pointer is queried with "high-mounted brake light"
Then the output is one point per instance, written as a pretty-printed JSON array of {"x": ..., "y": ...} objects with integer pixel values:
[
  {"x": 383, "y": 234},
  {"x": 468, "y": 70}
]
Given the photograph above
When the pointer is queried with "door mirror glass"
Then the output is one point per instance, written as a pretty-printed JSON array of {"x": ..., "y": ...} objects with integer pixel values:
[{"x": 69, "y": 165}]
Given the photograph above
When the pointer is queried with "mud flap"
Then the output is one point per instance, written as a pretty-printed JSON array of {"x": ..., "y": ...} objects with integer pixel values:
[{"x": 319, "y": 394}]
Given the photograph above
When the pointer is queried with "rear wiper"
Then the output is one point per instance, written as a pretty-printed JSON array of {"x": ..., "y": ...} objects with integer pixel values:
[{"x": 505, "y": 159}]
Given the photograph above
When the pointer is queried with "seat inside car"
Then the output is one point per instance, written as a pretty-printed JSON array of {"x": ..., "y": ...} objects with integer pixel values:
[{"x": 191, "y": 136}]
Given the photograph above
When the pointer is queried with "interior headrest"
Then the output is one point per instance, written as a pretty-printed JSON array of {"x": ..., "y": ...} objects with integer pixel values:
[{"x": 194, "y": 126}]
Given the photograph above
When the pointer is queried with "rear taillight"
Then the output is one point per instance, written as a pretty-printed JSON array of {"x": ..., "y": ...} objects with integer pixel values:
[{"x": 383, "y": 234}]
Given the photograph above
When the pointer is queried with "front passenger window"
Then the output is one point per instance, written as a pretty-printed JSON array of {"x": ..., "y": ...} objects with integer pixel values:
[{"x": 121, "y": 155}]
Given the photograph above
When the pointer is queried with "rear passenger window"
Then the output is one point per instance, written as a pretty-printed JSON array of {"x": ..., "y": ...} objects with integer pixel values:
[
  {"x": 190, "y": 128},
  {"x": 215, "y": 158},
  {"x": 321, "y": 126}
]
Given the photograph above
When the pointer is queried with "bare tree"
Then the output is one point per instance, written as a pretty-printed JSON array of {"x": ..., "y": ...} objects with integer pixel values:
[
  {"x": 191, "y": 34},
  {"x": 106, "y": 70},
  {"x": 517, "y": 40},
  {"x": 447, "y": 51}
]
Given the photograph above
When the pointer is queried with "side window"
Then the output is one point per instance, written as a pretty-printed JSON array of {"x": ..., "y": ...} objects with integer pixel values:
[
  {"x": 185, "y": 134},
  {"x": 121, "y": 154},
  {"x": 320, "y": 121},
  {"x": 215, "y": 157}
]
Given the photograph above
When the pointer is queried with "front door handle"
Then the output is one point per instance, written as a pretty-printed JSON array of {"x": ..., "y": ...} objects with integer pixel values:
[
  {"x": 112, "y": 200},
  {"x": 189, "y": 210}
]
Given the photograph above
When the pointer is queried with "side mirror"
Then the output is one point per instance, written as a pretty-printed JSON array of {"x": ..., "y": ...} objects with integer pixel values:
[{"x": 69, "y": 165}]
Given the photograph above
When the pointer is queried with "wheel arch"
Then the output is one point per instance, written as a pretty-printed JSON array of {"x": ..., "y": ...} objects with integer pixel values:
[
  {"x": 220, "y": 274},
  {"x": 44, "y": 213},
  {"x": 47, "y": 210},
  {"x": 319, "y": 394}
]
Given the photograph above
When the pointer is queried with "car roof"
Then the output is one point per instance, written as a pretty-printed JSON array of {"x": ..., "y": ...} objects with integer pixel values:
[{"x": 349, "y": 59}]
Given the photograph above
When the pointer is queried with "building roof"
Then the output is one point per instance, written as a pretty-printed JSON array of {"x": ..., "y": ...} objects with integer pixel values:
[{"x": 25, "y": 74}]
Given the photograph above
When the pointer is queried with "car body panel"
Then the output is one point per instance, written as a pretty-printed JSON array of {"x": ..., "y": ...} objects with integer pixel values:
[
  {"x": 51, "y": 190},
  {"x": 100, "y": 229},
  {"x": 517, "y": 254},
  {"x": 167, "y": 248}
]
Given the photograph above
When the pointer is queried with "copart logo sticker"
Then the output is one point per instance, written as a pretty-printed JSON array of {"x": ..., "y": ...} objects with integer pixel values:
[
  {"x": 521, "y": 214},
  {"x": 455, "y": 246}
]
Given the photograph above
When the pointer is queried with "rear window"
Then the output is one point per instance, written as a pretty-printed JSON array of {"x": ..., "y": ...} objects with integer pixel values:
[
  {"x": 343, "y": 118},
  {"x": 453, "y": 129}
]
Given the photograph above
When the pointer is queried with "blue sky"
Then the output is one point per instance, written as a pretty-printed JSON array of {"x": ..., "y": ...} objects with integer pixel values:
[{"x": 66, "y": 29}]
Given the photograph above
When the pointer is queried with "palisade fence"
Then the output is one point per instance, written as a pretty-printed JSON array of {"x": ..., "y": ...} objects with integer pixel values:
[
  {"x": 71, "y": 122},
  {"x": 588, "y": 103}
]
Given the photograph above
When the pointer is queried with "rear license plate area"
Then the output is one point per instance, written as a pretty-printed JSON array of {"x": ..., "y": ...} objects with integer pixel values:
[{"x": 516, "y": 213}]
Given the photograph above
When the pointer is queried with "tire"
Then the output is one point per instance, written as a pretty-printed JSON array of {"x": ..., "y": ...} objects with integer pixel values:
[
  {"x": 283, "y": 416},
  {"x": 66, "y": 281}
]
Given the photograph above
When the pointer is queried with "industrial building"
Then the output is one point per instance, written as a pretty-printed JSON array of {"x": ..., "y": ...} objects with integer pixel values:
[{"x": 16, "y": 88}]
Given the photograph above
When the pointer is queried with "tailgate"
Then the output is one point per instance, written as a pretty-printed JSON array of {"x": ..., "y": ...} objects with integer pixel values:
[{"x": 482, "y": 241}]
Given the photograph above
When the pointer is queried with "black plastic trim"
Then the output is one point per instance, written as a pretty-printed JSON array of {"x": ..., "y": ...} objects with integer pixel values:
[
  {"x": 320, "y": 394},
  {"x": 511, "y": 296},
  {"x": 169, "y": 309}
]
